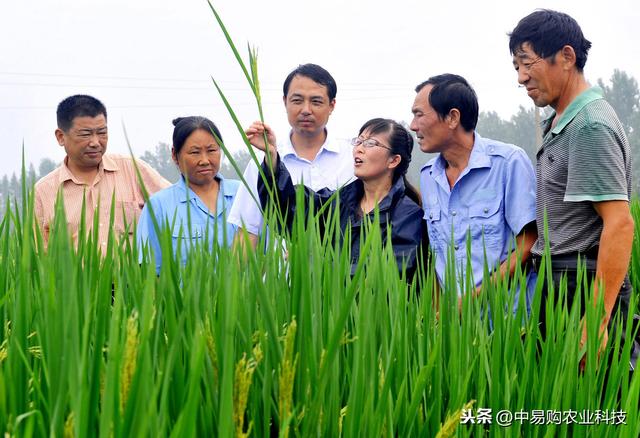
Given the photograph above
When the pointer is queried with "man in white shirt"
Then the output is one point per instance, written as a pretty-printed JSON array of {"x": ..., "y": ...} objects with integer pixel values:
[{"x": 309, "y": 96}]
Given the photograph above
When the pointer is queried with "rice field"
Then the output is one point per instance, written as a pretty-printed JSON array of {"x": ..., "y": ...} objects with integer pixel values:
[
  {"x": 259, "y": 344},
  {"x": 256, "y": 345}
]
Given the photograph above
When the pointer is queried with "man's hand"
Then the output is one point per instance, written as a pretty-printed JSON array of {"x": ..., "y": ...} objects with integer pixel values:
[
  {"x": 603, "y": 334},
  {"x": 256, "y": 136}
]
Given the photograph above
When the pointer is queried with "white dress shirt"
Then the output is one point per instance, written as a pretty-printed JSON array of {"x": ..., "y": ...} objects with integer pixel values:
[{"x": 332, "y": 167}]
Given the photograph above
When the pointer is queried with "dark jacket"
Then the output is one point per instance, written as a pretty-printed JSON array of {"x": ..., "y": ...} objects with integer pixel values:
[{"x": 408, "y": 229}]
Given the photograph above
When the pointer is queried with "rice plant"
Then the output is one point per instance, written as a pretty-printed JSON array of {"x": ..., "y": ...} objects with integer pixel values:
[{"x": 259, "y": 344}]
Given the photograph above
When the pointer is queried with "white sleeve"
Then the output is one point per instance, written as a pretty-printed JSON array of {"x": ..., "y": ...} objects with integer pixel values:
[{"x": 245, "y": 212}]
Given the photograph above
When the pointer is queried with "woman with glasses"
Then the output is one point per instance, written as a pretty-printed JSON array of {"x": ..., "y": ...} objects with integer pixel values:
[
  {"x": 194, "y": 209},
  {"x": 381, "y": 157}
]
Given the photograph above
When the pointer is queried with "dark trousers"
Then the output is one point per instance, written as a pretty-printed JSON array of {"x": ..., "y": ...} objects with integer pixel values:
[{"x": 566, "y": 266}]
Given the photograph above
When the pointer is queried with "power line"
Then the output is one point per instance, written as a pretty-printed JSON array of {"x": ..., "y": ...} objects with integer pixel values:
[
  {"x": 343, "y": 85},
  {"x": 195, "y": 105}
]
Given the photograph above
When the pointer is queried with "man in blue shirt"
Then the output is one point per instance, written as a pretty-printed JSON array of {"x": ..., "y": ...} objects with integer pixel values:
[{"x": 475, "y": 187}]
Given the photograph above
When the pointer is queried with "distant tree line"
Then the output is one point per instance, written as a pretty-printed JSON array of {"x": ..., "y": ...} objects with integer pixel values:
[{"x": 522, "y": 129}]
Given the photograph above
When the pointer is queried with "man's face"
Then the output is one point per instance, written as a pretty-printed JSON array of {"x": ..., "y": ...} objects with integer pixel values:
[
  {"x": 543, "y": 79},
  {"x": 432, "y": 132},
  {"x": 308, "y": 106},
  {"x": 85, "y": 142}
]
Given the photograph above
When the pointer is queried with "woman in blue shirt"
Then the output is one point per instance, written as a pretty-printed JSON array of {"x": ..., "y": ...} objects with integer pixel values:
[{"x": 194, "y": 209}]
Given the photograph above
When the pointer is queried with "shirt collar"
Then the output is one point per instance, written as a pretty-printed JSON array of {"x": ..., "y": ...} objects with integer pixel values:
[
  {"x": 582, "y": 100},
  {"x": 186, "y": 194},
  {"x": 396, "y": 191},
  {"x": 479, "y": 157},
  {"x": 107, "y": 164},
  {"x": 353, "y": 197},
  {"x": 286, "y": 148},
  {"x": 480, "y": 153}
]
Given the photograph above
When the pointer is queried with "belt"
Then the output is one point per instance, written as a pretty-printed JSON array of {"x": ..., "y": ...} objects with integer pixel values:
[{"x": 563, "y": 262}]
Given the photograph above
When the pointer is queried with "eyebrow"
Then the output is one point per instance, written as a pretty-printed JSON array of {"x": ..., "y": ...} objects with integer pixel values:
[
  {"x": 91, "y": 130},
  {"x": 298, "y": 95}
]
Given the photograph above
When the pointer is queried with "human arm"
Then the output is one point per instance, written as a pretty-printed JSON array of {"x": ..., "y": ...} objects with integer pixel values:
[
  {"x": 614, "y": 251},
  {"x": 277, "y": 188},
  {"x": 523, "y": 243},
  {"x": 598, "y": 172}
]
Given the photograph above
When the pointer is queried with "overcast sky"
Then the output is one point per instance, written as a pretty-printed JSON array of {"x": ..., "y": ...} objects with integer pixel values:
[{"x": 150, "y": 61}]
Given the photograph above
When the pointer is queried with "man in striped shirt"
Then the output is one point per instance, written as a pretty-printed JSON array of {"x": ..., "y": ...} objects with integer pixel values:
[
  {"x": 583, "y": 165},
  {"x": 87, "y": 177}
]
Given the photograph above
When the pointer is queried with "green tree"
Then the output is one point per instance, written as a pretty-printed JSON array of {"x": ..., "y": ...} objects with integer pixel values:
[
  {"x": 160, "y": 159},
  {"x": 624, "y": 96},
  {"x": 46, "y": 166},
  {"x": 241, "y": 158}
]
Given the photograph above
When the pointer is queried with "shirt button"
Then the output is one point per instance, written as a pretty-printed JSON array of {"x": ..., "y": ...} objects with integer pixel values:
[
  {"x": 430, "y": 215},
  {"x": 453, "y": 213},
  {"x": 486, "y": 210},
  {"x": 456, "y": 247}
]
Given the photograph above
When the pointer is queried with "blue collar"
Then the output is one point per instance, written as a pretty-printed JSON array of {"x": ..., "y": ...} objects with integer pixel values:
[{"x": 189, "y": 195}]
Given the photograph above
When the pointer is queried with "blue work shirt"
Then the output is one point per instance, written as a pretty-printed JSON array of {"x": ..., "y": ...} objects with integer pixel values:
[
  {"x": 493, "y": 199},
  {"x": 179, "y": 201}
]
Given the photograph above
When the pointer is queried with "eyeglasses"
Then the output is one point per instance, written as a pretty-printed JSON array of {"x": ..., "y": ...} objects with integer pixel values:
[{"x": 368, "y": 142}]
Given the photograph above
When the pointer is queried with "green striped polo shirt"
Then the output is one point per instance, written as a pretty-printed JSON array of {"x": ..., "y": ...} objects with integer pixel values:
[{"x": 585, "y": 158}]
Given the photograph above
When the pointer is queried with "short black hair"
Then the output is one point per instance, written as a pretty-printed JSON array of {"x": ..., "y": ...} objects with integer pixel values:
[
  {"x": 185, "y": 126},
  {"x": 549, "y": 31},
  {"x": 453, "y": 91},
  {"x": 316, "y": 74},
  {"x": 79, "y": 105}
]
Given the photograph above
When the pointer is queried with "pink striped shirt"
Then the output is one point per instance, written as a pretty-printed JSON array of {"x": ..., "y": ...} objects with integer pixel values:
[{"x": 116, "y": 174}]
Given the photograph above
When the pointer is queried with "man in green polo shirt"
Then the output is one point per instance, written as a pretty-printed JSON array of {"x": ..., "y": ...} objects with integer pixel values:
[{"x": 583, "y": 166}]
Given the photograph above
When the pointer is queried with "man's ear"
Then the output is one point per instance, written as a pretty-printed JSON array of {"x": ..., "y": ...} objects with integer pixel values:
[
  {"x": 332, "y": 105},
  {"x": 453, "y": 118},
  {"x": 59, "y": 133},
  {"x": 568, "y": 57}
]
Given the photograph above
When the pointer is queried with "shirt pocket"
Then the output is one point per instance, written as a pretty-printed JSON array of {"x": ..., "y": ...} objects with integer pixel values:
[
  {"x": 125, "y": 215},
  {"x": 486, "y": 222},
  {"x": 186, "y": 238},
  {"x": 432, "y": 215}
]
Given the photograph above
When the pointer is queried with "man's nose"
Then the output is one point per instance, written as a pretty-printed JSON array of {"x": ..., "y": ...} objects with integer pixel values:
[
  {"x": 94, "y": 139},
  {"x": 523, "y": 76}
]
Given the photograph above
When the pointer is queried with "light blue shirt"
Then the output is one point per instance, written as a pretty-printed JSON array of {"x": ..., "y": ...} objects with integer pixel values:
[
  {"x": 173, "y": 206},
  {"x": 492, "y": 200}
]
